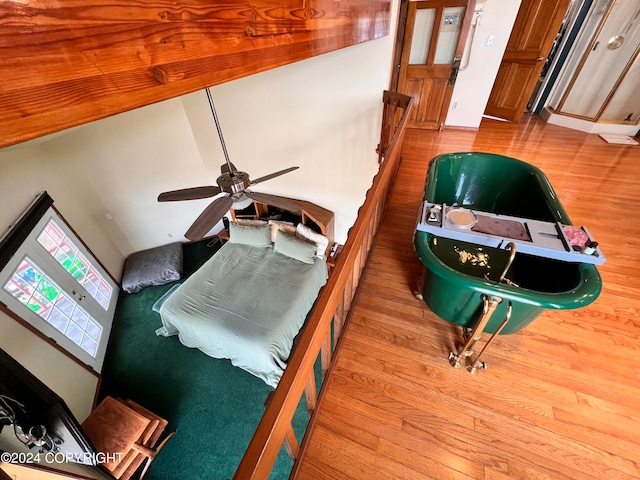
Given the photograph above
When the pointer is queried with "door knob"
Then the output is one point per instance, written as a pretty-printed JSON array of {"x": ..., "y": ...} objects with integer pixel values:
[{"x": 80, "y": 298}]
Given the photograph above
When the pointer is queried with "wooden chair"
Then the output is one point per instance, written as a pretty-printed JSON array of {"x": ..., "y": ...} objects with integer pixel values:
[{"x": 124, "y": 427}]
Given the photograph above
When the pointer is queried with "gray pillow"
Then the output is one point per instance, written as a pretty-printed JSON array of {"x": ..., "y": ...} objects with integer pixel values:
[
  {"x": 153, "y": 267},
  {"x": 295, "y": 248},
  {"x": 255, "y": 236}
]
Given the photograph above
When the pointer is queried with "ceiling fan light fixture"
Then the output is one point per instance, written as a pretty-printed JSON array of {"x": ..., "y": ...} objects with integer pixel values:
[{"x": 241, "y": 201}]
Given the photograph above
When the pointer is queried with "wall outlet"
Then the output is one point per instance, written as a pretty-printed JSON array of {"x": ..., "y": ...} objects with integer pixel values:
[
  {"x": 490, "y": 40},
  {"x": 454, "y": 106}
]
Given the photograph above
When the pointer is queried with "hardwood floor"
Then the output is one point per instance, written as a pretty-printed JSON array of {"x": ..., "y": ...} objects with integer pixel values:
[{"x": 559, "y": 400}]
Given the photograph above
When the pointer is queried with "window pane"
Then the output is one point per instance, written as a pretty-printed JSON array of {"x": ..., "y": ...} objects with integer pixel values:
[
  {"x": 58, "y": 319},
  {"x": 74, "y": 333},
  {"x": 91, "y": 288},
  {"x": 41, "y": 295},
  {"x": 449, "y": 33},
  {"x": 40, "y": 305},
  {"x": 54, "y": 232},
  {"x": 79, "y": 268},
  {"x": 28, "y": 273},
  {"x": 102, "y": 300},
  {"x": 20, "y": 289},
  {"x": 94, "y": 330},
  {"x": 105, "y": 289},
  {"x": 64, "y": 258},
  {"x": 32, "y": 288},
  {"x": 64, "y": 250},
  {"x": 81, "y": 320},
  {"x": 47, "y": 289},
  {"x": 48, "y": 243},
  {"x": 79, "y": 317},
  {"x": 91, "y": 282},
  {"x": 422, "y": 29},
  {"x": 89, "y": 345},
  {"x": 65, "y": 304}
]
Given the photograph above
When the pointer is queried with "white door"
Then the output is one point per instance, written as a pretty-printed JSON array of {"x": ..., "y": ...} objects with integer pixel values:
[{"x": 57, "y": 286}]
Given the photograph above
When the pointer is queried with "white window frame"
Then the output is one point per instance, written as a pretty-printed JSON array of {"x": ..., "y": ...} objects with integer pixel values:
[{"x": 38, "y": 254}]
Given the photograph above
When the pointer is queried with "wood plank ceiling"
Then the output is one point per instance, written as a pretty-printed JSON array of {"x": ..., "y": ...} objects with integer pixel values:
[{"x": 67, "y": 63}]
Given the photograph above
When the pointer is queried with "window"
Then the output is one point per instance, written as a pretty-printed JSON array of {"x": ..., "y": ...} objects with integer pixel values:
[
  {"x": 53, "y": 282},
  {"x": 41, "y": 295},
  {"x": 62, "y": 248}
]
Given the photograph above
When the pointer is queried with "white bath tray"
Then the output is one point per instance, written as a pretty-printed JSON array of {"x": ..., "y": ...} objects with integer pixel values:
[{"x": 543, "y": 239}]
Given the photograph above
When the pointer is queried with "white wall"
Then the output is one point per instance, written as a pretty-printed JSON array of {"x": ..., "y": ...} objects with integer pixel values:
[
  {"x": 27, "y": 171},
  {"x": 474, "y": 84},
  {"x": 31, "y": 168},
  {"x": 126, "y": 161},
  {"x": 322, "y": 114}
]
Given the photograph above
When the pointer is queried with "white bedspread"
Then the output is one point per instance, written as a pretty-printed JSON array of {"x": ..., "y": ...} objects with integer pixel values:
[{"x": 246, "y": 304}]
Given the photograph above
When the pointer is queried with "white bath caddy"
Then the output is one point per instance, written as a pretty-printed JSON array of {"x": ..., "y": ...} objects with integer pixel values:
[{"x": 543, "y": 239}]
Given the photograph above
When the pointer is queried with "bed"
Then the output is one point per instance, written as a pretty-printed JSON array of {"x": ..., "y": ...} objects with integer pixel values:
[{"x": 247, "y": 303}]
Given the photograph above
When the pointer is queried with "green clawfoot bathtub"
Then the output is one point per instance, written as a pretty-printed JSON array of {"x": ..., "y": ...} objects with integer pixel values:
[{"x": 457, "y": 276}]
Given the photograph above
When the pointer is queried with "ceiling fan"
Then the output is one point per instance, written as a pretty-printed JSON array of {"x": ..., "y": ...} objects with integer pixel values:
[{"x": 233, "y": 183}]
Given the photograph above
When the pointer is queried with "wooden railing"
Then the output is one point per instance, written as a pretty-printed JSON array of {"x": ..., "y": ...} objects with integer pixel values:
[{"x": 333, "y": 306}]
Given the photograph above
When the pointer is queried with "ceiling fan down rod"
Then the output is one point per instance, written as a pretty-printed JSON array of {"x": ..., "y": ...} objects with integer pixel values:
[{"x": 217, "y": 122}]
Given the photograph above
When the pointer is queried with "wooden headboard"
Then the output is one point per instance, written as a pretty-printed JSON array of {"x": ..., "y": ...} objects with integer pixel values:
[
  {"x": 311, "y": 215},
  {"x": 67, "y": 63}
]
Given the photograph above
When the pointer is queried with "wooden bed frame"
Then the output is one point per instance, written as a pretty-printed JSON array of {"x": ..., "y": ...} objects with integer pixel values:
[{"x": 332, "y": 308}]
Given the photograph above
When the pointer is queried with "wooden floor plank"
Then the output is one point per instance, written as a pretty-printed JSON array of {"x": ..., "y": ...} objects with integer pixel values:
[{"x": 560, "y": 400}]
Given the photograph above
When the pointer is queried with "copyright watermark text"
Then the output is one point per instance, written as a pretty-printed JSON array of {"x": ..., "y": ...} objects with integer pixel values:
[{"x": 61, "y": 457}]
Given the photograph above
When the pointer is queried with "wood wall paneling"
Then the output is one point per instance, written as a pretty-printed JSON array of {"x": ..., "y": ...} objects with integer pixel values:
[{"x": 63, "y": 64}]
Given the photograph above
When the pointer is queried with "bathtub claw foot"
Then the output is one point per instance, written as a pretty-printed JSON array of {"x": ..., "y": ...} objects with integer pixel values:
[
  {"x": 454, "y": 360},
  {"x": 466, "y": 333},
  {"x": 417, "y": 293},
  {"x": 472, "y": 367}
]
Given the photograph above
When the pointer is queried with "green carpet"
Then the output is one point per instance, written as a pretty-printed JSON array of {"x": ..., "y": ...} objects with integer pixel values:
[{"x": 213, "y": 406}]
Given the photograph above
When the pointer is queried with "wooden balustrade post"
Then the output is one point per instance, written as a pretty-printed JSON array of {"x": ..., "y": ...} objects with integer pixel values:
[
  {"x": 310, "y": 393},
  {"x": 325, "y": 354},
  {"x": 338, "y": 321},
  {"x": 290, "y": 443},
  {"x": 347, "y": 293}
]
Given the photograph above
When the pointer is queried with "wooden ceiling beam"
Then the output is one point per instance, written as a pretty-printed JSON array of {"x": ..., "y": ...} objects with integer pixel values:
[{"x": 66, "y": 63}]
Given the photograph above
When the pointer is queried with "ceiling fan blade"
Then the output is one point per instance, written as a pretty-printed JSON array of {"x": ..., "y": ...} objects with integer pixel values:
[
  {"x": 273, "y": 175},
  {"x": 274, "y": 201},
  {"x": 189, "y": 194},
  {"x": 209, "y": 217},
  {"x": 224, "y": 168}
]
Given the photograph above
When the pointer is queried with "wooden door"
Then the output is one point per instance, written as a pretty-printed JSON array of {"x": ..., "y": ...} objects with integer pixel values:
[
  {"x": 531, "y": 39},
  {"x": 433, "y": 41}
]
